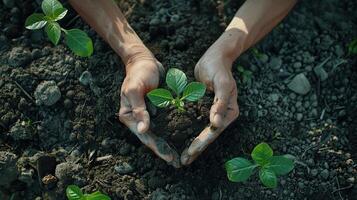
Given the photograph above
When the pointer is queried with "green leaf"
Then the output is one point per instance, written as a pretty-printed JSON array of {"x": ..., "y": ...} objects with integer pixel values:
[
  {"x": 352, "y": 47},
  {"x": 79, "y": 42},
  {"x": 73, "y": 192},
  {"x": 194, "y": 91},
  {"x": 59, "y": 14},
  {"x": 280, "y": 165},
  {"x": 239, "y": 169},
  {"x": 160, "y": 97},
  {"x": 268, "y": 178},
  {"x": 53, "y": 31},
  {"x": 49, "y": 7},
  {"x": 97, "y": 196},
  {"x": 240, "y": 68},
  {"x": 35, "y": 21},
  {"x": 261, "y": 153},
  {"x": 176, "y": 80}
]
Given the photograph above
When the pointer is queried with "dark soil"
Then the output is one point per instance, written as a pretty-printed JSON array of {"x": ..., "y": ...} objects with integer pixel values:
[{"x": 95, "y": 151}]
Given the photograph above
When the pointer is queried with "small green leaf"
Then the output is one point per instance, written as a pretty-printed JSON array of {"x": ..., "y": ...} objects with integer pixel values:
[
  {"x": 240, "y": 68},
  {"x": 176, "y": 80},
  {"x": 73, "y": 192},
  {"x": 59, "y": 14},
  {"x": 268, "y": 178},
  {"x": 239, "y": 169},
  {"x": 160, "y": 97},
  {"x": 280, "y": 165},
  {"x": 53, "y": 31},
  {"x": 79, "y": 42},
  {"x": 352, "y": 47},
  {"x": 35, "y": 21},
  {"x": 261, "y": 153},
  {"x": 50, "y": 6},
  {"x": 194, "y": 91}
]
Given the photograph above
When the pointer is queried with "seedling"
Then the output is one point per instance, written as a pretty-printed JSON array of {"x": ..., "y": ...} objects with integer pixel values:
[
  {"x": 176, "y": 80},
  {"x": 77, "y": 40},
  {"x": 245, "y": 74},
  {"x": 73, "y": 192},
  {"x": 352, "y": 47},
  {"x": 240, "y": 169}
]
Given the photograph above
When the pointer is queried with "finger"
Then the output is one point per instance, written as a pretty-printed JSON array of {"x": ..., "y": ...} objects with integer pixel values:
[
  {"x": 135, "y": 100},
  {"x": 223, "y": 94}
]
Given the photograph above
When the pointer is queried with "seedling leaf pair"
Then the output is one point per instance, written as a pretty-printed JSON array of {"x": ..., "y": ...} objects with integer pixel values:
[
  {"x": 240, "y": 169},
  {"x": 73, "y": 192},
  {"x": 176, "y": 80},
  {"x": 77, "y": 40}
]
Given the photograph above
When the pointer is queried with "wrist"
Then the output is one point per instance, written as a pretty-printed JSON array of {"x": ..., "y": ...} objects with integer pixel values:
[
  {"x": 134, "y": 52},
  {"x": 231, "y": 43}
]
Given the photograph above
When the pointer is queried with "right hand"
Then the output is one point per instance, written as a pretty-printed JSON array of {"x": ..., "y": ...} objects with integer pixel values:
[{"x": 142, "y": 76}]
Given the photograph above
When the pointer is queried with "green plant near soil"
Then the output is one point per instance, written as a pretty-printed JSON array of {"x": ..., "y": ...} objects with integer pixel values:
[
  {"x": 73, "y": 192},
  {"x": 176, "y": 80},
  {"x": 77, "y": 40},
  {"x": 270, "y": 167},
  {"x": 352, "y": 47},
  {"x": 245, "y": 74}
]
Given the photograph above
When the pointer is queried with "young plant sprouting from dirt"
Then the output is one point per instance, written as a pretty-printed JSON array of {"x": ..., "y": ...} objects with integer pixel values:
[
  {"x": 176, "y": 80},
  {"x": 240, "y": 169},
  {"x": 246, "y": 74},
  {"x": 352, "y": 47},
  {"x": 73, "y": 192},
  {"x": 77, "y": 40}
]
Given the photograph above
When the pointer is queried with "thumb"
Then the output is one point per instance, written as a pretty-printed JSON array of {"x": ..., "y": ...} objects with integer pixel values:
[
  {"x": 219, "y": 108},
  {"x": 136, "y": 100}
]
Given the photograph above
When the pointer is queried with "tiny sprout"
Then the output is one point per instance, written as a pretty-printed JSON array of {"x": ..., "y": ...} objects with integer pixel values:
[
  {"x": 240, "y": 169},
  {"x": 245, "y": 74},
  {"x": 77, "y": 40},
  {"x": 176, "y": 80},
  {"x": 73, "y": 192}
]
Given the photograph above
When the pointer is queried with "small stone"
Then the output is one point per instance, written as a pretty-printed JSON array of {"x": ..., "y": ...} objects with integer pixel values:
[
  {"x": 299, "y": 116},
  {"x": 274, "y": 97},
  {"x": 275, "y": 63},
  {"x": 314, "y": 172},
  {"x": 297, "y": 65},
  {"x": 300, "y": 84},
  {"x": 85, "y": 78},
  {"x": 351, "y": 180},
  {"x": 47, "y": 93},
  {"x": 123, "y": 168},
  {"x": 21, "y": 131},
  {"x": 67, "y": 103},
  {"x": 325, "y": 174},
  {"x": 321, "y": 73},
  {"x": 263, "y": 58},
  {"x": 301, "y": 185},
  {"x": 36, "y": 53}
]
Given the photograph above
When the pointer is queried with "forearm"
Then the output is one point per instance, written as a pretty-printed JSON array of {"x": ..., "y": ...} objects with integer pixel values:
[
  {"x": 109, "y": 22},
  {"x": 252, "y": 22}
]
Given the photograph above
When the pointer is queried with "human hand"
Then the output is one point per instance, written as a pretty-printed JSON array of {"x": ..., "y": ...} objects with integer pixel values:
[
  {"x": 214, "y": 69},
  {"x": 142, "y": 75}
]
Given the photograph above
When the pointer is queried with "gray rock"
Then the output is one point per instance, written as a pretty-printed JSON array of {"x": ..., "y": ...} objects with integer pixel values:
[
  {"x": 321, "y": 73},
  {"x": 314, "y": 172},
  {"x": 297, "y": 65},
  {"x": 299, "y": 116},
  {"x": 300, "y": 84},
  {"x": 123, "y": 168},
  {"x": 275, "y": 63},
  {"x": 325, "y": 174},
  {"x": 21, "y": 131},
  {"x": 67, "y": 170},
  {"x": 274, "y": 97},
  {"x": 19, "y": 57},
  {"x": 86, "y": 78},
  {"x": 8, "y": 168},
  {"x": 47, "y": 93}
]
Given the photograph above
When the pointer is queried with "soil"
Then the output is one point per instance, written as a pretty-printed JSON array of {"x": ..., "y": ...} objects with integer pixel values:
[{"x": 49, "y": 106}]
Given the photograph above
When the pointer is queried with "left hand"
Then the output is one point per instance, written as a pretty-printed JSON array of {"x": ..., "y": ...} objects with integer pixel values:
[{"x": 214, "y": 70}]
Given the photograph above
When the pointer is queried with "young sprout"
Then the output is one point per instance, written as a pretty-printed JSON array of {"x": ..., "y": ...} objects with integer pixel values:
[
  {"x": 176, "y": 80},
  {"x": 73, "y": 192},
  {"x": 240, "y": 169},
  {"x": 246, "y": 74},
  {"x": 352, "y": 47},
  {"x": 77, "y": 40}
]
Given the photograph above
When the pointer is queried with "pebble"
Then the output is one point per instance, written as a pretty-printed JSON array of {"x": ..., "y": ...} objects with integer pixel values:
[
  {"x": 47, "y": 93},
  {"x": 85, "y": 78},
  {"x": 123, "y": 168},
  {"x": 297, "y": 65},
  {"x": 21, "y": 131},
  {"x": 300, "y": 84},
  {"x": 67, "y": 104},
  {"x": 19, "y": 57},
  {"x": 325, "y": 174},
  {"x": 274, "y": 97},
  {"x": 321, "y": 73},
  {"x": 275, "y": 63},
  {"x": 314, "y": 172}
]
